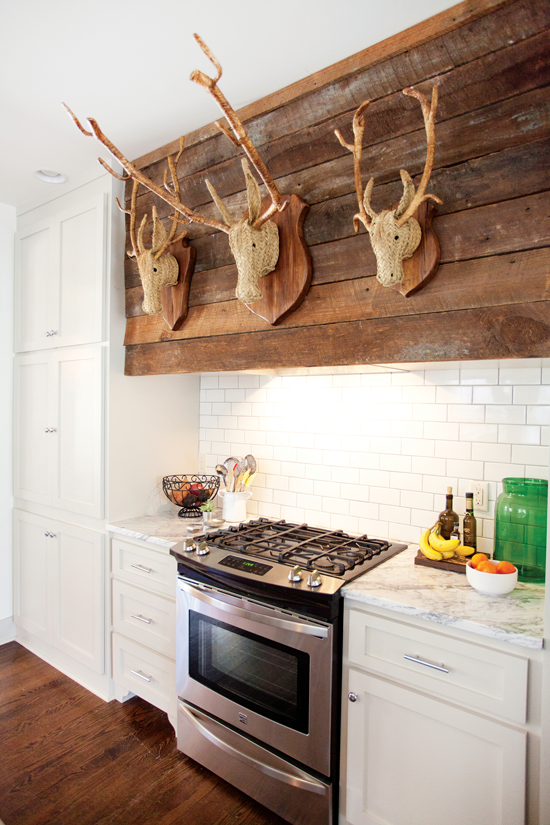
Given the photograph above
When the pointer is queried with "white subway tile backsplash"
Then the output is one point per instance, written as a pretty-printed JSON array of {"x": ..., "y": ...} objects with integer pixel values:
[
  {"x": 492, "y": 395},
  {"x": 519, "y": 434},
  {"x": 522, "y": 454},
  {"x": 532, "y": 395},
  {"x": 375, "y": 452}
]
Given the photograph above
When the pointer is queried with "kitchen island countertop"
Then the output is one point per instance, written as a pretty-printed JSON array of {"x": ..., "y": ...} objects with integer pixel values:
[
  {"x": 448, "y": 600},
  {"x": 403, "y": 587}
]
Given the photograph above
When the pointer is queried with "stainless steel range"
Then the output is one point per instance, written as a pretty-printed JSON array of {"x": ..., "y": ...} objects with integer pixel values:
[{"x": 258, "y": 658}]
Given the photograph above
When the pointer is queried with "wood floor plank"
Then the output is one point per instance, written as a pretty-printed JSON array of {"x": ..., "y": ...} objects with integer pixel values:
[{"x": 69, "y": 758}]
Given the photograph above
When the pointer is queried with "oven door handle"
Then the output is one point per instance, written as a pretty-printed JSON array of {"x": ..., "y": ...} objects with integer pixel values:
[
  {"x": 302, "y": 781},
  {"x": 310, "y": 629}
]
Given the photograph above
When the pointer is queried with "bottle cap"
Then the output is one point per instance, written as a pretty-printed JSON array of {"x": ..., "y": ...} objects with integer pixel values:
[
  {"x": 469, "y": 495},
  {"x": 449, "y": 491}
]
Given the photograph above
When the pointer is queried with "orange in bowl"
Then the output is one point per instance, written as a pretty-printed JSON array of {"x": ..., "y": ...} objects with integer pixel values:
[
  {"x": 477, "y": 559},
  {"x": 486, "y": 567},
  {"x": 505, "y": 567},
  {"x": 487, "y": 582}
]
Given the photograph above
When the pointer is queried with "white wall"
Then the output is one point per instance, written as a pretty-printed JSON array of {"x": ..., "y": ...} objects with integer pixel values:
[
  {"x": 7, "y": 230},
  {"x": 375, "y": 453}
]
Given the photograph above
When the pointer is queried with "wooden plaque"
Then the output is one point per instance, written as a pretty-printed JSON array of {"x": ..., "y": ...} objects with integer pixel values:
[
  {"x": 284, "y": 289},
  {"x": 174, "y": 299},
  {"x": 420, "y": 268}
]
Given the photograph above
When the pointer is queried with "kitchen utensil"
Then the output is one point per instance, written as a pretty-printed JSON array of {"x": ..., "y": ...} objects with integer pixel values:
[
  {"x": 230, "y": 478},
  {"x": 190, "y": 491},
  {"x": 251, "y": 463},
  {"x": 221, "y": 470},
  {"x": 230, "y": 462},
  {"x": 490, "y": 584}
]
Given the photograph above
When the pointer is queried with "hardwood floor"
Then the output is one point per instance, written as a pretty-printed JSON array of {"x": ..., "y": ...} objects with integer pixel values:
[{"x": 68, "y": 758}]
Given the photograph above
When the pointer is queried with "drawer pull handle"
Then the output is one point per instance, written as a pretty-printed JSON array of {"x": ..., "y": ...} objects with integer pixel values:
[
  {"x": 141, "y": 676},
  {"x": 426, "y": 664},
  {"x": 141, "y": 618},
  {"x": 143, "y": 569}
]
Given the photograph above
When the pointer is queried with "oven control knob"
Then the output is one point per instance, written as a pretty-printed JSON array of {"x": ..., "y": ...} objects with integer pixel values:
[
  {"x": 189, "y": 545},
  {"x": 203, "y": 549},
  {"x": 314, "y": 580},
  {"x": 295, "y": 574}
]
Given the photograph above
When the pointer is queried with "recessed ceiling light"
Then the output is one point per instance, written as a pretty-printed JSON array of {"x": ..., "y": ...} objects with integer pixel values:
[{"x": 49, "y": 176}]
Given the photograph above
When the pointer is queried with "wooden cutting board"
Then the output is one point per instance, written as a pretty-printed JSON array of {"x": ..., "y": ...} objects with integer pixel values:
[{"x": 456, "y": 565}]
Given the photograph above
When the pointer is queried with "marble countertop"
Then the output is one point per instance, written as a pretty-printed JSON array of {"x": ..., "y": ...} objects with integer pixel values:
[
  {"x": 399, "y": 585},
  {"x": 448, "y": 600}
]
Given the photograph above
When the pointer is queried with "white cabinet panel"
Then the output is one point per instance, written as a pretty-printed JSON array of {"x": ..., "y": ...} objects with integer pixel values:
[
  {"x": 147, "y": 674},
  {"x": 78, "y": 595},
  {"x": 77, "y": 398},
  {"x": 32, "y": 444},
  {"x": 58, "y": 429},
  {"x": 60, "y": 278},
  {"x": 34, "y": 265},
  {"x": 414, "y": 760},
  {"x": 59, "y": 586},
  {"x": 80, "y": 268},
  {"x": 32, "y": 571},
  {"x": 145, "y": 617}
]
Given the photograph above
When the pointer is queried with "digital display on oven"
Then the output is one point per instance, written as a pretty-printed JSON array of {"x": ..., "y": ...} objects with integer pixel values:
[{"x": 247, "y": 566}]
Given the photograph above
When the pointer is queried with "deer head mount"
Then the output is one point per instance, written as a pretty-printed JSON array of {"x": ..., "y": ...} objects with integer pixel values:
[
  {"x": 254, "y": 239},
  {"x": 394, "y": 233},
  {"x": 157, "y": 268}
]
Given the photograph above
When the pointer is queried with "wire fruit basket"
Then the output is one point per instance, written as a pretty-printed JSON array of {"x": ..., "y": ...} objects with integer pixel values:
[{"x": 190, "y": 491}]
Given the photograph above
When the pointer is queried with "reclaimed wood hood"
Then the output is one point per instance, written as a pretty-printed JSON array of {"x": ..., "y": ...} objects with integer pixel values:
[{"x": 490, "y": 297}]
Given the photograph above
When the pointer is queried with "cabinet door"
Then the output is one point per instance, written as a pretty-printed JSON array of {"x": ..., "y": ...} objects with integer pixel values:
[
  {"x": 78, "y": 594},
  {"x": 79, "y": 264},
  {"x": 33, "y": 422},
  {"x": 34, "y": 252},
  {"x": 32, "y": 544},
  {"x": 78, "y": 449},
  {"x": 414, "y": 760}
]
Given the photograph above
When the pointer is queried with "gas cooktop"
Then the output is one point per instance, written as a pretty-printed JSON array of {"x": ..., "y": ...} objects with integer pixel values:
[{"x": 267, "y": 553}]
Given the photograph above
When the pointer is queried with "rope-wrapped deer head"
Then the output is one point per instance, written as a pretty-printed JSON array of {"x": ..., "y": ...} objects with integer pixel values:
[
  {"x": 394, "y": 234},
  {"x": 254, "y": 239}
]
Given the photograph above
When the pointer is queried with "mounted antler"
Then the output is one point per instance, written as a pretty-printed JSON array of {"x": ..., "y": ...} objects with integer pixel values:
[
  {"x": 254, "y": 239},
  {"x": 394, "y": 234},
  {"x": 157, "y": 268}
]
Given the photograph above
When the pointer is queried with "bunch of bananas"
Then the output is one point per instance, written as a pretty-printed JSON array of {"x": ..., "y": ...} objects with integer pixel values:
[{"x": 435, "y": 547}]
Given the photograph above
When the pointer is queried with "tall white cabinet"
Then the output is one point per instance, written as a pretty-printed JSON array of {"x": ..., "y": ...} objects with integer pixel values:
[{"x": 83, "y": 449}]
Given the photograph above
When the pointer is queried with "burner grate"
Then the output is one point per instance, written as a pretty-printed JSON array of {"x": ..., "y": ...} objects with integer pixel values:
[{"x": 332, "y": 552}]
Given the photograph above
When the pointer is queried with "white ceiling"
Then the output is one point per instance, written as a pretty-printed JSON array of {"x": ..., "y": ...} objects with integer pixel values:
[{"x": 127, "y": 64}]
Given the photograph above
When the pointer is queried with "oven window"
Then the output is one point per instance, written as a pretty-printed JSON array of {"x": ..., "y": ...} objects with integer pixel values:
[{"x": 261, "y": 675}]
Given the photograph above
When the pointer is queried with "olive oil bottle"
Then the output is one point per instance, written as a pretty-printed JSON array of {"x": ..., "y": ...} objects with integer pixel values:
[
  {"x": 469, "y": 525},
  {"x": 448, "y": 517}
]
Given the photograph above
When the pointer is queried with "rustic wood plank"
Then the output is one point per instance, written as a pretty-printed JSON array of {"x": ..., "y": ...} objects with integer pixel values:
[
  {"x": 464, "y": 285},
  {"x": 508, "y": 73},
  {"x": 510, "y": 331},
  {"x": 507, "y": 124},
  {"x": 498, "y": 22},
  {"x": 477, "y": 182}
]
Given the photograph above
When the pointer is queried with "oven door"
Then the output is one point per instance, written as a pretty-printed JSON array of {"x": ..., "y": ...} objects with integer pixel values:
[{"x": 264, "y": 671}]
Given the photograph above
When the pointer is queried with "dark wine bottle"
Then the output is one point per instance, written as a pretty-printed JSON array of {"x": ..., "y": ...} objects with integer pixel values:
[
  {"x": 448, "y": 517},
  {"x": 469, "y": 525}
]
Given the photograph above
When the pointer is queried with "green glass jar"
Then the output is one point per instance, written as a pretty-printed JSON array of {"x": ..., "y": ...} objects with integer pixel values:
[{"x": 520, "y": 526}]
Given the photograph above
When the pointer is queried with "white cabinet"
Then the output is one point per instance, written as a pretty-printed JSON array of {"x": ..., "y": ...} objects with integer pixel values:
[
  {"x": 144, "y": 623},
  {"x": 59, "y": 278},
  {"x": 433, "y": 727},
  {"x": 58, "y": 429},
  {"x": 59, "y": 586}
]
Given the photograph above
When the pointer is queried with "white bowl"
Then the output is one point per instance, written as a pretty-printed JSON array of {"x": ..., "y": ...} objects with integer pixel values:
[{"x": 491, "y": 584}]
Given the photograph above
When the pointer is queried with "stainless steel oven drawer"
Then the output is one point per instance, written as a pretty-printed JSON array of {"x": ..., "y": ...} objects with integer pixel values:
[{"x": 292, "y": 793}]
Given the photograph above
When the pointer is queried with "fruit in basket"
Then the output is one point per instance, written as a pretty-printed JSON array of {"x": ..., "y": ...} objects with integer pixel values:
[
  {"x": 478, "y": 559},
  {"x": 190, "y": 500},
  {"x": 505, "y": 568},
  {"x": 177, "y": 496}
]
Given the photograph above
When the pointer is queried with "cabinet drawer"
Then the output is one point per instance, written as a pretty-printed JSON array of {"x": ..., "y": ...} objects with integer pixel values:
[
  {"x": 141, "y": 565},
  {"x": 472, "y": 675},
  {"x": 145, "y": 673},
  {"x": 145, "y": 617}
]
